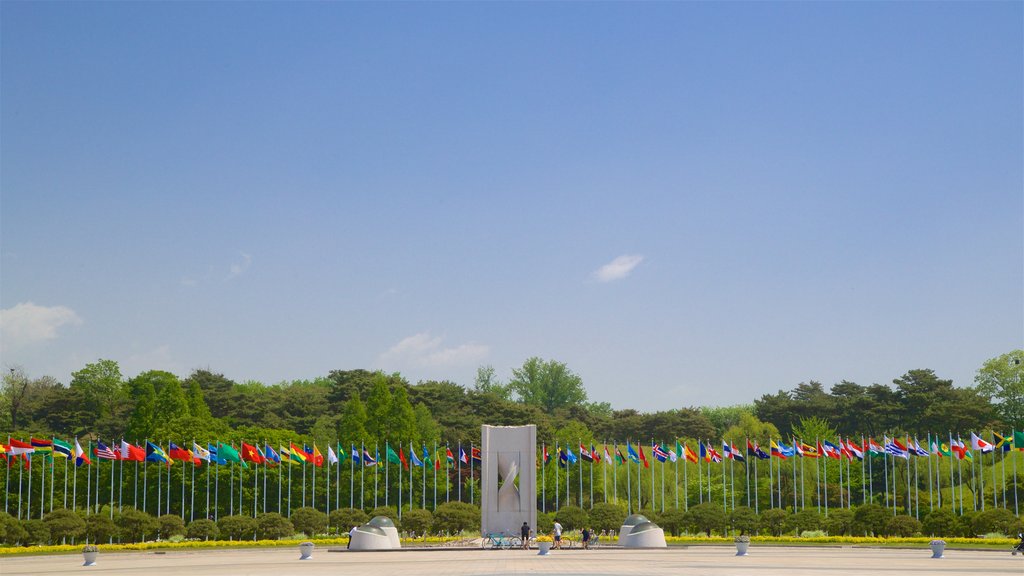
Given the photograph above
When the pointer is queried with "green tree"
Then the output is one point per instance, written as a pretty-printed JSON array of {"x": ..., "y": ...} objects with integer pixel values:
[
  {"x": 102, "y": 392},
  {"x": 170, "y": 524},
  {"x": 902, "y": 526},
  {"x": 940, "y": 522},
  {"x": 133, "y": 524},
  {"x": 400, "y": 422},
  {"x": 774, "y": 521},
  {"x": 870, "y": 519},
  {"x": 1001, "y": 380},
  {"x": 427, "y": 428},
  {"x": 196, "y": 404},
  {"x": 744, "y": 519},
  {"x": 170, "y": 399},
  {"x": 342, "y": 520},
  {"x": 237, "y": 527},
  {"x": 607, "y": 516},
  {"x": 488, "y": 383},
  {"x": 101, "y": 528},
  {"x": 418, "y": 520},
  {"x": 142, "y": 422},
  {"x": 549, "y": 385},
  {"x": 839, "y": 522},
  {"x": 378, "y": 406},
  {"x": 352, "y": 425},
  {"x": 16, "y": 384}
]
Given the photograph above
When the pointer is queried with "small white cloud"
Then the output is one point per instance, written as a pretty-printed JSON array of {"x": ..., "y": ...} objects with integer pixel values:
[
  {"x": 27, "y": 323},
  {"x": 619, "y": 268},
  {"x": 423, "y": 350},
  {"x": 158, "y": 358},
  {"x": 239, "y": 268}
]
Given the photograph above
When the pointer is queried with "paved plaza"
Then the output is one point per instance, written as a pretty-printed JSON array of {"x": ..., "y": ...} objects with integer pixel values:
[{"x": 704, "y": 560}]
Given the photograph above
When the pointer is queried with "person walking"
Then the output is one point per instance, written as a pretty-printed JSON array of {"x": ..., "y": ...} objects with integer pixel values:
[
  {"x": 558, "y": 534},
  {"x": 524, "y": 535}
]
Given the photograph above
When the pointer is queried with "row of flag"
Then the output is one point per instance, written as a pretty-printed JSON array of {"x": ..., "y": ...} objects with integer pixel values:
[
  {"x": 845, "y": 448},
  {"x": 221, "y": 453}
]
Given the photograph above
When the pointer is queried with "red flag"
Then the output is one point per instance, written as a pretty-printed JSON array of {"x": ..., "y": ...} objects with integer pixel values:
[
  {"x": 642, "y": 457},
  {"x": 401, "y": 457},
  {"x": 251, "y": 453}
]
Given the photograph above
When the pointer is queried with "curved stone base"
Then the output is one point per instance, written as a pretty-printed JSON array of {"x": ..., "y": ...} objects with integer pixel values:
[{"x": 646, "y": 535}]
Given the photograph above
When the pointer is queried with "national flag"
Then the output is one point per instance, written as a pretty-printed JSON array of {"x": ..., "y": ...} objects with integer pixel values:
[
  {"x": 250, "y": 453},
  {"x": 777, "y": 451},
  {"x": 297, "y": 454},
  {"x": 585, "y": 454},
  {"x": 999, "y": 442},
  {"x": 710, "y": 454},
  {"x": 156, "y": 454},
  {"x": 228, "y": 453},
  {"x": 448, "y": 456},
  {"x": 915, "y": 448},
  {"x": 132, "y": 453},
  {"x": 81, "y": 457},
  {"x": 569, "y": 455},
  {"x": 426, "y": 458},
  {"x": 958, "y": 448},
  {"x": 545, "y": 457},
  {"x": 402, "y": 459},
  {"x": 203, "y": 454},
  {"x": 787, "y": 451},
  {"x": 437, "y": 459},
  {"x": 368, "y": 460},
  {"x": 103, "y": 452},
  {"x": 806, "y": 450},
  {"x": 608, "y": 458},
  {"x": 732, "y": 452},
  {"x": 286, "y": 456},
  {"x": 855, "y": 450},
  {"x": 659, "y": 453},
  {"x": 689, "y": 454},
  {"x": 412, "y": 456},
  {"x": 475, "y": 452},
  {"x": 462, "y": 456},
  {"x": 215, "y": 458},
  {"x": 62, "y": 449},
  {"x": 643, "y": 457},
  {"x": 391, "y": 455},
  {"x": 895, "y": 448},
  {"x": 945, "y": 450},
  {"x": 872, "y": 447},
  {"x": 632, "y": 453},
  {"x": 754, "y": 450},
  {"x": 44, "y": 447},
  {"x": 1018, "y": 440},
  {"x": 313, "y": 455},
  {"x": 341, "y": 454},
  {"x": 619, "y": 458},
  {"x": 18, "y": 448},
  {"x": 831, "y": 450},
  {"x": 976, "y": 444},
  {"x": 332, "y": 458},
  {"x": 563, "y": 460},
  {"x": 594, "y": 454},
  {"x": 178, "y": 453}
]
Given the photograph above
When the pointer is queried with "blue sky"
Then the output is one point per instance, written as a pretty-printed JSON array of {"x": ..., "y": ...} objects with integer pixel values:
[{"x": 687, "y": 203}]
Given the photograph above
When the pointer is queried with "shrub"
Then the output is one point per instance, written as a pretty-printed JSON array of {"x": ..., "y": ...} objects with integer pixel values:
[
  {"x": 870, "y": 519},
  {"x": 101, "y": 528},
  {"x": 706, "y": 517},
  {"x": 417, "y": 520},
  {"x": 806, "y": 520},
  {"x": 672, "y": 521},
  {"x": 545, "y": 523},
  {"x": 744, "y": 519},
  {"x": 273, "y": 526},
  {"x": 12, "y": 531},
  {"x": 236, "y": 527},
  {"x": 838, "y": 522},
  {"x": 169, "y": 525},
  {"x": 202, "y": 529},
  {"x": 571, "y": 517},
  {"x": 812, "y": 534},
  {"x": 38, "y": 532},
  {"x": 457, "y": 516},
  {"x": 309, "y": 521},
  {"x": 940, "y": 522},
  {"x": 607, "y": 516},
  {"x": 135, "y": 524},
  {"x": 903, "y": 526},
  {"x": 994, "y": 520},
  {"x": 343, "y": 519},
  {"x": 774, "y": 521},
  {"x": 64, "y": 525}
]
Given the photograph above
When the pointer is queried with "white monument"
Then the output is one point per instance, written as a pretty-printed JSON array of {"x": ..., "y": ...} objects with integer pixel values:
[
  {"x": 508, "y": 482},
  {"x": 377, "y": 534}
]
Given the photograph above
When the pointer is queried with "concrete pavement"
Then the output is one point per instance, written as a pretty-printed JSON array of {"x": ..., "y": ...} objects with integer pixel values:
[{"x": 696, "y": 561}]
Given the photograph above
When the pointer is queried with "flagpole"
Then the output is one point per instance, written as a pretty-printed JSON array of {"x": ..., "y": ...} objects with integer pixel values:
[
  {"x": 771, "y": 475},
  {"x": 437, "y": 464},
  {"x": 471, "y": 478},
  {"x": 351, "y": 476},
  {"x": 756, "y": 458},
  {"x": 400, "y": 486},
  {"x": 543, "y": 479},
  {"x": 629, "y": 489},
  {"x": 387, "y": 472},
  {"x": 615, "y": 475},
  {"x": 931, "y": 498},
  {"x": 458, "y": 470},
  {"x": 917, "y": 488},
  {"x": 312, "y": 472}
]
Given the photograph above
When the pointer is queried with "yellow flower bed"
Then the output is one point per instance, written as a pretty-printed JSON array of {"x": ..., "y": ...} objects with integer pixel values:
[{"x": 852, "y": 540}]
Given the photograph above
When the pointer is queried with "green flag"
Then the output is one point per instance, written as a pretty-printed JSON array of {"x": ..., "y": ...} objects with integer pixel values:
[
  {"x": 229, "y": 454},
  {"x": 679, "y": 449},
  {"x": 1018, "y": 440},
  {"x": 391, "y": 456},
  {"x": 62, "y": 449}
]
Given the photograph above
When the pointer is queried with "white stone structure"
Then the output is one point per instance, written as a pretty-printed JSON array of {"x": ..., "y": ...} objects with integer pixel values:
[
  {"x": 508, "y": 482},
  {"x": 639, "y": 532},
  {"x": 377, "y": 534}
]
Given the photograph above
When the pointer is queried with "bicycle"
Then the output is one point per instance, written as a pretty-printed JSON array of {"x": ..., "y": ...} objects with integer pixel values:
[{"x": 500, "y": 541}]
